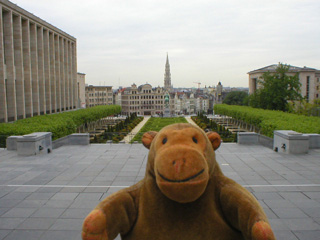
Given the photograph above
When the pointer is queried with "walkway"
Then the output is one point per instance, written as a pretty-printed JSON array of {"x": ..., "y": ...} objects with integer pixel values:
[
  {"x": 48, "y": 196},
  {"x": 188, "y": 118},
  {"x": 134, "y": 131}
]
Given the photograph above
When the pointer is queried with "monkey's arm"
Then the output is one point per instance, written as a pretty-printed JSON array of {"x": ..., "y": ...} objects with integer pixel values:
[
  {"x": 116, "y": 214},
  {"x": 244, "y": 212}
]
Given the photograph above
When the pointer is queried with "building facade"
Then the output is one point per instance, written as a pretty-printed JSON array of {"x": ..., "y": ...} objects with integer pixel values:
[
  {"x": 38, "y": 66},
  {"x": 218, "y": 94},
  {"x": 143, "y": 100},
  {"x": 146, "y": 100},
  {"x": 309, "y": 79},
  {"x": 98, "y": 95},
  {"x": 81, "y": 81}
]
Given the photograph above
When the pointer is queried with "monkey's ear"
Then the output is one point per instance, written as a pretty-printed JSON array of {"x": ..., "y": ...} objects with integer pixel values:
[
  {"x": 147, "y": 138},
  {"x": 215, "y": 139}
]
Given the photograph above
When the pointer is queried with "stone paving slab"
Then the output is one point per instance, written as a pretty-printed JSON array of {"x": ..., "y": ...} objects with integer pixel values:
[{"x": 48, "y": 196}]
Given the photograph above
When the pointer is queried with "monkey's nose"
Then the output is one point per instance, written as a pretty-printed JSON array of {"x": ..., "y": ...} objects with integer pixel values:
[{"x": 178, "y": 164}]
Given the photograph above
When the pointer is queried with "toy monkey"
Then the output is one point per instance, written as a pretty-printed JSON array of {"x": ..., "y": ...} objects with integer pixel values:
[{"x": 184, "y": 195}]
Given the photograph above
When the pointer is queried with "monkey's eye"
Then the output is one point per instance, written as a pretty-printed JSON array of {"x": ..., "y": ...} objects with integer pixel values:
[
  {"x": 164, "y": 140},
  {"x": 194, "y": 139}
]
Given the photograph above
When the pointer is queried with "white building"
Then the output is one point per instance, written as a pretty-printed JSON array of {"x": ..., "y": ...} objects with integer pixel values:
[
  {"x": 38, "y": 66},
  {"x": 81, "y": 81},
  {"x": 309, "y": 79},
  {"x": 98, "y": 95}
]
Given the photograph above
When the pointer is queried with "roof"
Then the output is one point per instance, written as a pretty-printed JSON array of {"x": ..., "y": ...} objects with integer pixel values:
[
  {"x": 121, "y": 90},
  {"x": 144, "y": 85},
  {"x": 273, "y": 67}
]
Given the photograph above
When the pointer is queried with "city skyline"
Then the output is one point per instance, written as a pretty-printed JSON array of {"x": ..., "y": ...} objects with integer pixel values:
[{"x": 120, "y": 43}]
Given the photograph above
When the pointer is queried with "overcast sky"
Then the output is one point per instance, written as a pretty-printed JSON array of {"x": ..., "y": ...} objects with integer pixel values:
[{"x": 120, "y": 42}]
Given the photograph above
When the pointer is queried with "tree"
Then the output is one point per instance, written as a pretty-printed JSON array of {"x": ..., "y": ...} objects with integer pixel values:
[
  {"x": 277, "y": 90},
  {"x": 235, "y": 98},
  {"x": 306, "y": 108}
]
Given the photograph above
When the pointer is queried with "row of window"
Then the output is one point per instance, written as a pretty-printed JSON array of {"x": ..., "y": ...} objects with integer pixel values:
[
  {"x": 99, "y": 94},
  {"x": 145, "y": 107},
  {"x": 144, "y": 91},
  {"x": 100, "y": 100},
  {"x": 146, "y": 97},
  {"x": 92, "y": 105},
  {"x": 144, "y": 102},
  {"x": 307, "y": 88}
]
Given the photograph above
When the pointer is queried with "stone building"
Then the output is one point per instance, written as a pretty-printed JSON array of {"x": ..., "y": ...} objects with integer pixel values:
[
  {"x": 38, "y": 66},
  {"x": 117, "y": 96},
  {"x": 218, "y": 94},
  {"x": 143, "y": 100},
  {"x": 309, "y": 79},
  {"x": 184, "y": 103},
  {"x": 98, "y": 95},
  {"x": 81, "y": 81},
  {"x": 202, "y": 104}
]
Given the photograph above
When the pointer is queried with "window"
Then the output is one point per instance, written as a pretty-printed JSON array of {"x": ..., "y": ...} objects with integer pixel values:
[
  {"x": 254, "y": 84},
  {"x": 307, "y": 88}
]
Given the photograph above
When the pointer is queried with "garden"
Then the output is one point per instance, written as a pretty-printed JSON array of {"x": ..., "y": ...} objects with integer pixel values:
[
  {"x": 117, "y": 132},
  {"x": 60, "y": 124},
  {"x": 210, "y": 125},
  {"x": 267, "y": 121},
  {"x": 156, "y": 124}
]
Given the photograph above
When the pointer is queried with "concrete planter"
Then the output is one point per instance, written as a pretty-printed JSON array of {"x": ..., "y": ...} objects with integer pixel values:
[{"x": 287, "y": 141}]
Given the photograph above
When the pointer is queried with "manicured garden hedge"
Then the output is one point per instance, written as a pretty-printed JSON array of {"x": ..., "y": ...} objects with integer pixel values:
[
  {"x": 207, "y": 124},
  {"x": 117, "y": 132},
  {"x": 60, "y": 124},
  {"x": 156, "y": 124},
  {"x": 268, "y": 121}
]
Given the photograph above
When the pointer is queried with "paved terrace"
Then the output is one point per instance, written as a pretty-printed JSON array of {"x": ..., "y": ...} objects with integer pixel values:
[{"x": 48, "y": 196}]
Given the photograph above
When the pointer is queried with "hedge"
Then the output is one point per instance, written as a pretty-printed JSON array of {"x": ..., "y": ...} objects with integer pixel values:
[
  {"x": 268, "y": 121},
  {"x": 60, "y": 124}
]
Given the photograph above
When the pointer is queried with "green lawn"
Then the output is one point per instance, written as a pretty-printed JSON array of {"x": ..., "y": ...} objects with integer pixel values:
[{"x": 156, "y": 124}]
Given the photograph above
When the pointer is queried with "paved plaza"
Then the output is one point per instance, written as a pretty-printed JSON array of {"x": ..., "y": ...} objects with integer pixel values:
[{"x": 48, "y": 196}]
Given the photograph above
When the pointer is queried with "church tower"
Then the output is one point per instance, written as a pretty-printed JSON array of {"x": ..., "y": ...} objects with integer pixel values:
[{"x": 167, "y": 76}]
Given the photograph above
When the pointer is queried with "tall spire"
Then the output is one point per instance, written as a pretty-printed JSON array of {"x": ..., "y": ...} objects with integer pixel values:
[{"x": 167, "y": 76}]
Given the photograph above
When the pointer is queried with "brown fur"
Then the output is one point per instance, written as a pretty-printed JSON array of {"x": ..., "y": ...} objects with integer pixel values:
[{"x": 184, "y": 195}]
